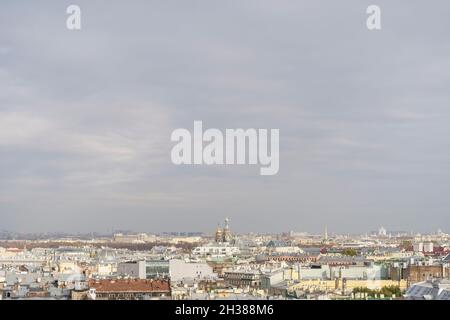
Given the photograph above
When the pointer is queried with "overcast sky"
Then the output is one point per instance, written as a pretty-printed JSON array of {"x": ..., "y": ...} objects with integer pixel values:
[{"x": 86, "y": 116}]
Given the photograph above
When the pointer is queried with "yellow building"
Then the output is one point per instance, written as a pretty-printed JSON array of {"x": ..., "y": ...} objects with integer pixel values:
[{"x": 348, "y": 285}]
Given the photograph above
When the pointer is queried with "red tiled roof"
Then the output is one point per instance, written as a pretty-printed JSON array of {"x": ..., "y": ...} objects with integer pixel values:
[{"x": 129, "y": 285}]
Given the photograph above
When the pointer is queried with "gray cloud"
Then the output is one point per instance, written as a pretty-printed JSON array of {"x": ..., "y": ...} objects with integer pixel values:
[{"x": 86, "y": 117}]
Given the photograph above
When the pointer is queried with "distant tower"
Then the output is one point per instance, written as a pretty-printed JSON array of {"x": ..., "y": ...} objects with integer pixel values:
[
  {"x": 226, "y": 231},
  {"x": 325, "y": 235},
  {"x": 219, "y": 234},
  {"x": 382, "y": 232}
]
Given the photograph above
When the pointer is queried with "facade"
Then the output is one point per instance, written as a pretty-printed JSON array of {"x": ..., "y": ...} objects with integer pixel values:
[
  {"x": 134, "y": 238},
  {"x": 133, "y": 269},
  {"x": 425, "y": 247},
  {"x": 243, "y": 278},
  {"x": 156, "y": 269},
  {"x": 428, "y": 247},
  {"x": 105, "y": 269},
  {"x": 419, "y": 273},
  {"x": 190, "y": 271},
  {"x": 293, "y": 258},
  {"x": 136, "y": 289},
  {"x": 216, "y": 250},
  {"x": 282, "y": 247},
  {"x": 418, "y": 247}
]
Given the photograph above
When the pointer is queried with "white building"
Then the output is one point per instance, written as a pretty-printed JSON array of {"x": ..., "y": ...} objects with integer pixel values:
[
  {"x": 418, "y": 247},
  {"x": 428, "y": 247},
  {"x": 216, "y": 250},
  {"x": 181, "y": 270},
  {"x": 134, "y": 238},
  {"x": 133, "y": 269},
  {"x": 105, "y": 269}
]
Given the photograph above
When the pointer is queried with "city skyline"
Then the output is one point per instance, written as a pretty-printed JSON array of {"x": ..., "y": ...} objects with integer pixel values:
[
  {"x": 86, "y": 116},
  {"x": 237, "y": 230},
  {"x": 226, "y": 266}
]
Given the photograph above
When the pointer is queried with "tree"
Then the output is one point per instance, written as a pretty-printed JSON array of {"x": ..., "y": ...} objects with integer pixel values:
[
  {"x": 387, "y": 291},
  {"x": 350, "y": 252}
]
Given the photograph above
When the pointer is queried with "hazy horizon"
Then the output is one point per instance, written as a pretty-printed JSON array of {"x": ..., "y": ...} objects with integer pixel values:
[
  {"x": 211, "y": 232},
  {"x": 86, "y": 116}
]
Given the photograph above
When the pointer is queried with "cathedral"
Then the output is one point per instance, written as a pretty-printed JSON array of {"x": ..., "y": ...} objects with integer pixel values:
[{"x": 224, "y": 235}]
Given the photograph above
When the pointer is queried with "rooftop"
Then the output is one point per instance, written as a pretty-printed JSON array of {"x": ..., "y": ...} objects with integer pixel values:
[{"x": 129, "y": 285}]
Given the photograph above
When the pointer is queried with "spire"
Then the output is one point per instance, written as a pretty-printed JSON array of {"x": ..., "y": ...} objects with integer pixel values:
[
  {"x": 227, "y": 223},
  {"x": 227, "y": 237},
  {"x": 325, "y": 235},
  {"x": 219, "y": 234}
]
